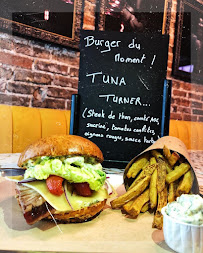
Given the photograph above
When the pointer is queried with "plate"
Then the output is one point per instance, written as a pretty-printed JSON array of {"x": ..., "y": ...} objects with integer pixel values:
[{"x": 111, "y": 231}]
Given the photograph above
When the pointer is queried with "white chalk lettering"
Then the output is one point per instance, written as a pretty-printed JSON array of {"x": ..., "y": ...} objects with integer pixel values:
[
  {"x": 96, "y": 125},
  {"x": 121, "y": 115},
  {"x": 134, "y": 45},
  {"x": 90, "y": 135},
  {"x": 92, "y": 114},
  {"x": 91, "y": 41},
  {"x": 118, "y": 128},
  {"x": 93, "y": 75},
  {"x": 118, "y": 58},
  {"x": 114, "y": 138},
  {"x": 107, "y": 79},
  {"x": 122, "y": 100},
  {"x": 130, "y": 139}
]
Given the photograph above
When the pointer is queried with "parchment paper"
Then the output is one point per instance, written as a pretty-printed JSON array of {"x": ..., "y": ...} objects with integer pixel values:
[{"x": 111, "y": 231}]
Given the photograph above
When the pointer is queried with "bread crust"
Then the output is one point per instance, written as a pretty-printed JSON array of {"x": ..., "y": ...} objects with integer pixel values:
[
  {"x": 61, "y": 145},
  {"x": 82, "y": 215}
]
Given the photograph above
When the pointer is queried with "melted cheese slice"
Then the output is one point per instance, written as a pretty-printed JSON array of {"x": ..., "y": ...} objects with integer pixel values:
[{"x": 60, "y": 203}]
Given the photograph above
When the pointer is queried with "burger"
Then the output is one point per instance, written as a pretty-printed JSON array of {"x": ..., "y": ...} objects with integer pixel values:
[{"x": 63, "y": 180}]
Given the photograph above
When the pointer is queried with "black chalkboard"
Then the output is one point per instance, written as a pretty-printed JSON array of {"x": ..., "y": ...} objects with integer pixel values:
[{"x": 123, "y": 95}]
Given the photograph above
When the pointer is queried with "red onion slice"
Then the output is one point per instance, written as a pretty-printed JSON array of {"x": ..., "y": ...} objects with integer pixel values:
[
  {"x": 27, "y": 180},
  {"x": 66, "y": 194},
  {"x": 109, "y": 188}
]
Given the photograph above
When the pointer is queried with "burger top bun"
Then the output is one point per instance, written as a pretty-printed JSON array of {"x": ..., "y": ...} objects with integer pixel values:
[{"x": 61, "y": 145}]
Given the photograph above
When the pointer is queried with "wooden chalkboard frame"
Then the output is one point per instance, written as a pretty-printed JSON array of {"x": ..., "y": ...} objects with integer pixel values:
[{"x": 31, "y": 31}]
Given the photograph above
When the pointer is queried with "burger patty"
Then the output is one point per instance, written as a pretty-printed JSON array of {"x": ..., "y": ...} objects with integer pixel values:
[{"x": 35, "y": 208}]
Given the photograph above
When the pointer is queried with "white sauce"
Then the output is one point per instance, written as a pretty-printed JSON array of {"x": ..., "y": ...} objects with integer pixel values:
[{"x": 187, "y": 208}]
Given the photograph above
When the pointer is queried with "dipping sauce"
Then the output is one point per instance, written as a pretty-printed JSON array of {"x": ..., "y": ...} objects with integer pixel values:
[{"x": 187, "y": 208}]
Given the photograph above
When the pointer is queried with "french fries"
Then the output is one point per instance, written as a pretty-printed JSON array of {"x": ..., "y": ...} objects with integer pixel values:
[
  {"x": 185, "y": 185},
  {"x": 159, "y": 177},
  {"x": 137, "y": 166},
  {"x": 138, "y": 203},
  {"x": 177, "y": 172},
  {"x": 153, "y": 190},
  {"x": 162, "y": 201},
  {"x": 132, "y": 193}
]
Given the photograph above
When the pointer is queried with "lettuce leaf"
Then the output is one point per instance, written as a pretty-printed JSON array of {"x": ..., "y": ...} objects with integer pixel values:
[{"x": 74, "y": 169}]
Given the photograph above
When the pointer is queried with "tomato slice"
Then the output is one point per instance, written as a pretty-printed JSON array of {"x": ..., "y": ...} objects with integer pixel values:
[
  {"x": 54, "y": 184},
  {"x": 82, "y": 189}
]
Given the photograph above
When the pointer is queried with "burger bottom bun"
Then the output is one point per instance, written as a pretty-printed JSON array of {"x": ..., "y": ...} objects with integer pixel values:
[{"x": 78, "y": 216}]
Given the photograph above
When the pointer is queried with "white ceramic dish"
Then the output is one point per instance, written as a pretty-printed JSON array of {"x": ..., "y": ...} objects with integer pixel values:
[{"x": 182, "y": 237}]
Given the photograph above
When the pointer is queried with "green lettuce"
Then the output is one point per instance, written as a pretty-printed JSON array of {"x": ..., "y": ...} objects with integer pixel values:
[{"x": 74, "y": 169}]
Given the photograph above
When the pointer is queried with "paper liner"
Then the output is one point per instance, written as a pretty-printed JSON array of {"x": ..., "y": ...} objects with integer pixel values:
[
  {"x": 182, "y": 237},
  {"x": 174, "y": 144}
]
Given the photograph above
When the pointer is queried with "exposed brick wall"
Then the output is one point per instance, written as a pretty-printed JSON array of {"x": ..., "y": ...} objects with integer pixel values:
[
  {"x": 36, "y": 74},
  {"x": 187, "y": 98},
  {"x": 187, "y": 101},
  {"x": 42, "y": 75}
]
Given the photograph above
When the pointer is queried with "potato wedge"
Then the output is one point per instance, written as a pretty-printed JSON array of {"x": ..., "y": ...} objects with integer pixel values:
[
  {"x": 185, "y": 185},
  {"x": 153, "y": 190},
  {"x": 131, "y": 193},
  {"x": 177, "y": 172},
  {"x": 173, "y": 158},
  {"x": 161, "y": 175},
  {"x": 158, "y": 217},
  {"x": 166, "y": 152},
  {"x": 145, "y": 208},
  {"x": 138, "y": 203},
  {"x": 137, "y": 166},
  {"x": 172, "y": 192}
]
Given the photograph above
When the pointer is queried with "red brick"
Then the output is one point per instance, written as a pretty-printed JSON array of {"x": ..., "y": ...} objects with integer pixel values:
[
  {"x": 41, "y": 53},
  {"x": 184, "y": 110},
  {"x": 20, "y": 88},
  {"x": 194, "y": 96},
  {"x": 2, "y": 85},
  {"x": 185, "y": 86},
  {"x": 33, "y": 77},
  {"x": 173, "y": 108},
  {"x": 49, "y": 103},
  {"x": 69, "y": 58},
  {"x": 23, "y": 49},
  {"x": 14, "y": 100},
  {"x": 51, "y": 67},
  {"x": 74, "y": 72},
  {"x": 6, "y": 44},
  {"x": 179, "y": 93},
  {"x": 197, "y": 112},
  {"x": 184, "y": 102},
  {"x": 189, "y": 117},
  {"x": 66, "y": 81},
  {"x": 175, "y": 84},
  {"x": 200, "y": 119},
  {"x": 59, "y": 93},
  {"x": 15, "y": 60},
  {"x": 176, "y": 116},
  {"x": 5, "y": 72},
  {"x": 196, "y": 105},
  {"x": 68, "y": 104}
]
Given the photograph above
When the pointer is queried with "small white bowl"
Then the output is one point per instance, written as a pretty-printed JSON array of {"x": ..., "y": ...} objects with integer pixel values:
[{"x": 180, "y": 236}]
